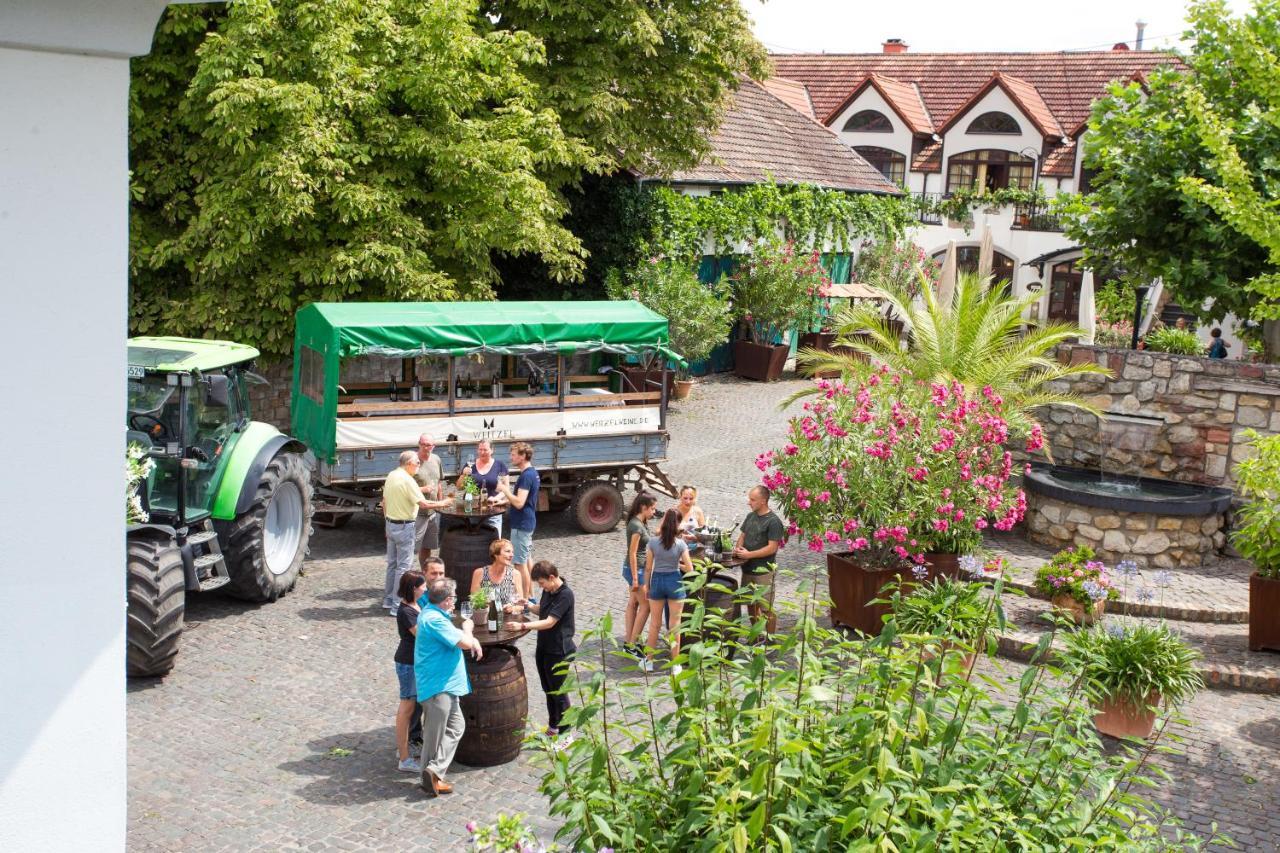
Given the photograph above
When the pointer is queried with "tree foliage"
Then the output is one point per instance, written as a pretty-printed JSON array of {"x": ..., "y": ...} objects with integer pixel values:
[
  {"x": 1187, "y": 171},
  {"x": 290, "y": 152}
]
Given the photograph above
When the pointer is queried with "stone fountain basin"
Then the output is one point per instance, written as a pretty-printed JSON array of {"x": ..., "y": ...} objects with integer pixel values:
[{"x": 1126, "y": 494}]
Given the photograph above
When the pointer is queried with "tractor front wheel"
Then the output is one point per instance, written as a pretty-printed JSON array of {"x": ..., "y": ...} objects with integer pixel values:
[
  {"x": 266, "y": 545},
  {"x": 157, "y": 600}
]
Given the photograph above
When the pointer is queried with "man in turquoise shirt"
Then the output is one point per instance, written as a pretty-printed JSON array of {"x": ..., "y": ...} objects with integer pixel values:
[{"x": 442, "y": 680}]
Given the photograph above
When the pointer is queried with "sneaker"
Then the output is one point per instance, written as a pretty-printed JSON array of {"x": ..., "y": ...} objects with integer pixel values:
[
  {"x": 410, "y": 765},
  {"x": 550, "y": 732}
]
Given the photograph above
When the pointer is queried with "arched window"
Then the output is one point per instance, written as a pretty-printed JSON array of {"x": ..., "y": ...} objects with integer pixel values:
[
  {"x": 868, "y": 121},
  {"x": 967, "y": 261},
  {"x": 989, "y": 169},
  {"x": 994, "y": 122},
  {"x": 890, "y": 163}
]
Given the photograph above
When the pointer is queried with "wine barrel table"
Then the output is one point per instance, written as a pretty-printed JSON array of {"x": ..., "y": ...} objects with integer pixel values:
[
  {"x": 464, "y": 543},
  {"x": 498, "y": 704}
]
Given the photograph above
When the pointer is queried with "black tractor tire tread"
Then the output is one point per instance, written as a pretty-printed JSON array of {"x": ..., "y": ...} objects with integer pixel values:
[
  {"x": 156, "y": 587},
  {"x": 251, "y": 580},
  {"x": 582, "y": 495}
]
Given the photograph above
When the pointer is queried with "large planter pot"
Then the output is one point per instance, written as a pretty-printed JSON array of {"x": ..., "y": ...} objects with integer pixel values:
[
  {"x": 1125, "y": 718},
  {"x": 637, "y": 380},
  {"x": 1077, "y": 612},
  {"x": 761, "y": 362},
  {"x": 820, "y": 341},
  {"x": 682, "y": 389},
  {"x": 1264, "y": 613},
  {"x": 852, "y": 587}
]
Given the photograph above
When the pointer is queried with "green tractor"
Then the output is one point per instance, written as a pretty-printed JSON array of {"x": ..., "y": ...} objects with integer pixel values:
[{"x": 228, "y": 499}]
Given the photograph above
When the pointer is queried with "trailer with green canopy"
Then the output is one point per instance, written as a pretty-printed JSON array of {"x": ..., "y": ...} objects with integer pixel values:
[{"x": 369, "y": 378}]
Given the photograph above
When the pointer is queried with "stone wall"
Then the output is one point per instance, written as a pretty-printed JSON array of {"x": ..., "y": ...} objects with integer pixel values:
[
  {"x": 270, "y": 402},
  {"x": 1198, "y": 409},
  {"x": 1165, "y": 541}
]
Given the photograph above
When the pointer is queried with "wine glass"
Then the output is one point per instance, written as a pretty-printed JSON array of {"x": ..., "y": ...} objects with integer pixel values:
[{"x": 466, "y": 610}]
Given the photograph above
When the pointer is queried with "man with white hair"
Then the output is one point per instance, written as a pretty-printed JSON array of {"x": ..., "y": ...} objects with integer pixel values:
[
  {"x": 401, "y": 499},
  {"x": 426, "y": 530}
]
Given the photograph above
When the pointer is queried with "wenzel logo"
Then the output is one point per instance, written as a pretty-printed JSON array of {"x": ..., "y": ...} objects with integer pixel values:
[{"x": 486, "y": 424}]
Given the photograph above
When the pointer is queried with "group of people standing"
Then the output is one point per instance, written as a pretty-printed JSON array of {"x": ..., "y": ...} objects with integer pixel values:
[{"x": 430, "y": 662}]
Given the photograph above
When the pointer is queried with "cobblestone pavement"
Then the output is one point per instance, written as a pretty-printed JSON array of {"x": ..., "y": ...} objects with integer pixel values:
[{"x": 275, "y": 730}]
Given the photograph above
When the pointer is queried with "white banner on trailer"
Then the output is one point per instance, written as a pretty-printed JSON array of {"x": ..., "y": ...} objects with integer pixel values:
[{"x": 496, "y": 426}]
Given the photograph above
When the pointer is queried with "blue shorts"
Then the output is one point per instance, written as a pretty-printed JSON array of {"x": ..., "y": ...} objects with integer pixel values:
[
  {"x": 408, "y": 684},
  {"x": 626, "y": 573},
  {"x": 666, "y": 586},
  {"x": 521, "y": 544}
]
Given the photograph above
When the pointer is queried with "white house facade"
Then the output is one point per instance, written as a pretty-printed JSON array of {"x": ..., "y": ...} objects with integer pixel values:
[{"x": 939, "y": 123}]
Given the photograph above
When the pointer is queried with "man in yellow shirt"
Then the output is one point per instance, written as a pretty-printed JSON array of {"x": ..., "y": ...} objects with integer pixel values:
[{"x": 401, "y": 499}]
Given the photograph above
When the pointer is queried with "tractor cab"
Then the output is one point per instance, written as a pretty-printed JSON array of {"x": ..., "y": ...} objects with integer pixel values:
[{"x": 186, "y": 406}]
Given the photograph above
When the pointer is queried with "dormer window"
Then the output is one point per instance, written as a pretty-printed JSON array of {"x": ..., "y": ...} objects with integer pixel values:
[
  {"x": 995, "y": 123},
  {"x": 891, "y": 164},
  {"x": 868, "y": 121}
]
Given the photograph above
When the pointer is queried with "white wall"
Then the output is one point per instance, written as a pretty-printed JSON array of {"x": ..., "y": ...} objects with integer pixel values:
[
  {"x": 64, "y": 243},
  {"x": 899, "y": 140},
  {"x": 957, "y": 141}
]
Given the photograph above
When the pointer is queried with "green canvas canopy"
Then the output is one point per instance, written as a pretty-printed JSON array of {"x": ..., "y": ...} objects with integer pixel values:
[
  {"x": 328, "y": 332},
  {"x": 407, "y": 329}
]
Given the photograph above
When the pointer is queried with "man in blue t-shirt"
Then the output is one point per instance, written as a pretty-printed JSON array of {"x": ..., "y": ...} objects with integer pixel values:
[
  {"x": 521, "y": 517},
  {"x": 442, "y": 681}
]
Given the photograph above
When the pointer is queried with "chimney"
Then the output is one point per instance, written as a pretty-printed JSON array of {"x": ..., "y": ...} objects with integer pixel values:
[
  {"x": 894, "y": 46},
  {"x": 1137, "y": 43}
]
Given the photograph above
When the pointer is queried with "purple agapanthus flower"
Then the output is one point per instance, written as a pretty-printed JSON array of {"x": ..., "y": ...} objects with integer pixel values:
[
  {"x": 920, "y": 572},
  {"x": 1115, "y": 631},
  {"x": 1146, "y": 596},
  {"x": 971, "y": 566},
  {"x": 1127, "y": 569},
  {"x": 1163, "y": 579},
  {"x": 1093, "y": 590}
]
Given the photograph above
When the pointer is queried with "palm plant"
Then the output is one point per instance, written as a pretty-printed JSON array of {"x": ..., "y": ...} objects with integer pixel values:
[{"x": 976, "y": 339}]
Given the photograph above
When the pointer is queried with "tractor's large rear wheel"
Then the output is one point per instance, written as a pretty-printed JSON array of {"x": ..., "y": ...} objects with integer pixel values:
[
  {"x": 265, "y": 546},
  {"x": 157, "y": 599}
]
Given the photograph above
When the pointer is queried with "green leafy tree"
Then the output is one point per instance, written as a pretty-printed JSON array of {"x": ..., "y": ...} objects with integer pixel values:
[
  {"x": 1186, "y": 171},
  {"x": 640, "y": 82}
]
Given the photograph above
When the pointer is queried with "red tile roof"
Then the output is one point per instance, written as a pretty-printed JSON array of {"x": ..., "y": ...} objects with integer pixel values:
[
  {"x": 792, "y": 93},
  {"x": 903, "y": 97},
  {"x": 1023, "y": 94},
  {"x": 928, "y": 158},
  {"x": 762, "y": 138},
  {"x": 1066, "y": 82},
  {"x": 1059, "y": 161}
]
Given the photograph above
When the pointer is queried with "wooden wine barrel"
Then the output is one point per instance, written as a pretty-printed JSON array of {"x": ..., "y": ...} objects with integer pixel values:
[
  {"x": 465, "y": 548},
  {"x": 495, "y": 709}
]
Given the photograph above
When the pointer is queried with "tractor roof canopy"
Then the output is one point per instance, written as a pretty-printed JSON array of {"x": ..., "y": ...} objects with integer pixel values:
[
  {"x": 407, "y": 329},
  {"x": 174, "y": 355}
]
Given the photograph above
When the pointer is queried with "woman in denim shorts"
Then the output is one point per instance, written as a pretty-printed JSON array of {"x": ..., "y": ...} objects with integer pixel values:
[
  {"x": 637, "y": 609},
  {"x": 665, "y": 562},
  {"x": 413, "y": 585}
]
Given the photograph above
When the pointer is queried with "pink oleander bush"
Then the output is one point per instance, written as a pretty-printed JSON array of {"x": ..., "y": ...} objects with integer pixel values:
[{"x": 896, "y": 468}]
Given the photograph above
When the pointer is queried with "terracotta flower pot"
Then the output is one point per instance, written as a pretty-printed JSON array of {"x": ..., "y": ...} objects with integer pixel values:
[
  {"x": 1125, "y": 718},
  {"x": 852, "y": 586},
  {"x": 1077, "y": 612},
  {"x": 682, "y": 389},
  {"x": 1264, "y": 613},
  {"x": 761, "y": 362}
]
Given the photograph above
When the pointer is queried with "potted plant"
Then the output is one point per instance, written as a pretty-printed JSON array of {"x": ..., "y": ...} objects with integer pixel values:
[
  {"x": 697, "y": 313},
  {"x": 1257, "y": 538},
  {"x": 772, "y": 291},
  {"x": 894, "y": 473},
  {"x": 1077, "y": 584},
  {"x": 1129, "y": 670},
  {"x": 945, "y": 612}
]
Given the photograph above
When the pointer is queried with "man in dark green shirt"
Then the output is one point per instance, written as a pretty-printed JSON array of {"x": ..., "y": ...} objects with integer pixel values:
[{"x": 758, "y": 542}]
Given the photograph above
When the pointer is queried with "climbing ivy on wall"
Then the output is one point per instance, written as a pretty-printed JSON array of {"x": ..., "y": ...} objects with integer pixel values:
[{"x": 812, "y": 217}]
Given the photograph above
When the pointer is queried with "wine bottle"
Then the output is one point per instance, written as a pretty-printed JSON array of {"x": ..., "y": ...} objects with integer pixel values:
[
  {"x": 493, "y": 387},
  {"x": 395, "y": 392},
  {"x": 415, "y": 392},
  {"x": 493, "y": 615}
]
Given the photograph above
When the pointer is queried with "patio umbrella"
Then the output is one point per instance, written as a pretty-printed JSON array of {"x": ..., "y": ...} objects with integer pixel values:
[
  {"x": 1088, "y": 317},
  {"x": 947, "y": 278},
  {"x": 986, "y": 253}
]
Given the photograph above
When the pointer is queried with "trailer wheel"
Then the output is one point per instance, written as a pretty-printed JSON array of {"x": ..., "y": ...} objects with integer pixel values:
[
  {"x": 266, "y": 545},
  {"x": 156, "y": 603},
  {"x": 597, "y": 506}
]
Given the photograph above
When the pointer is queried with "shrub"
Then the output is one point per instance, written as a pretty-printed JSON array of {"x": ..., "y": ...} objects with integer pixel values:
[
  {"x": 820, "y": 742},
  {"x": 1118, "y": 335},
  {"x": 895, "y": 468},
  {"x": 942, "y": 608},
  {"x": 1130, "y": 661},
  {"x": 775, "y": 288},
  {"x": 1257, "y": 528},
  {"x": 895, "y": 266},
  {"x": 697, "y": 313},
  {"x": 1176, "y": 341},
  {"x": 1075, "y": 572}
]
